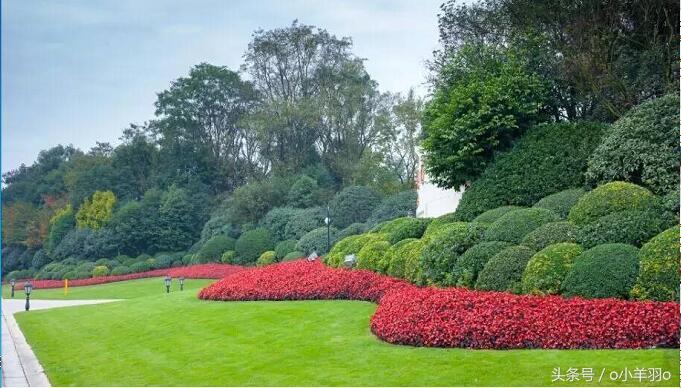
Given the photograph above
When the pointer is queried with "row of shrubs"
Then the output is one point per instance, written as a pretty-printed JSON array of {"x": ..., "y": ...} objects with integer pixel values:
[{"x": 570, "y": 243}]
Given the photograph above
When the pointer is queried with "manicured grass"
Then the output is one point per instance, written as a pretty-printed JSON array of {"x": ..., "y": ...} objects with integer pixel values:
[
  {"x": 117, "y": 290},
  {"x": 179, "y": 340}
]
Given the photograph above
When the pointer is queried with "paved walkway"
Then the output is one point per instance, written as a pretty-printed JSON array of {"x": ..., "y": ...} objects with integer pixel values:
[{"x": 20, "y": 367}]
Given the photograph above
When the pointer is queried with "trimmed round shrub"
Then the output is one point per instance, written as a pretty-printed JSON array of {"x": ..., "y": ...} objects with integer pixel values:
[
  {"x": 547, "y": 159},
  {"x": 266, "y": 258},
  {"x": 604, "y": 271},
  {"x": 658, "y": 275},
  {"x": 547, "y": 269},
  {"x": 551, "y": 233},
  {"x": 293, "y": 256},
  {"x": 441, "y": 251},
  {"x": 164, "y": 260},
  {"x": 100, "y": 270},
  {"x": 628, "y": 227},
  {"x": 317, "y": 241},
  {"x": 492, "y": 215},
  {"x": 516, "y": 224},
  {"x": 471, "y": 262},
  {"x": 120, "y": 270},
  {"x": 304, "y": 221},
  {"x": 404, "y": 260},
  {"x": 504, "y": 271},
  {"x": 405, "y": 227},
  {"x": 303, "y": 193},
  {"x": 642, "y": 147},
  {"x": 611, "y": 198},
  {"x": 140, "y": 266},
  {"x": 228, "y": 257},
  {"x": 213, "y": 249},
  {"x": 561, "y": 202},
  {"x": 402, "y": 204},
  {"x": 353, "y": 229},
  {"x": 252, "y": 244},
  {"x": 276, "y": 219},
  {"x": 351, "y": 246},
  {"x": 285, "y": 247},
  {"x": 353, "y": 204},
  {"x": 371, "y": 256},
  {"x": 40, "y": 259},
  {"x": 437, "y": 223}
]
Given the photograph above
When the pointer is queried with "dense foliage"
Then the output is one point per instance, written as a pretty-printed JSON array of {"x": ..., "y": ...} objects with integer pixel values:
[
  {"x": 440, "y": 253},
  {"x": 632, "y": 227},
  {"x": 551, "y": 233},
  {"x": 561, "y": 202},
  {"x": 504, "y": 271},
  {"x": 213, "y": 249},
  {"x": 318, "y": 240},
  {"x": 402, "y": 204},
  {"x": 658, "y": 276},
  {"x": 492, "y": 215},
  {"x": 403, "y": 260},
  {"x": 515, "y": 225},
  {"x": 252, "y": 244},
  {"x": 353, "y": 204},
  {"x": 546, "y": 270},
  {"x": 371, "y": 256},
  {"x": 610, "y": 198},
  {"x": 405, "y": 227},
  {"x": 604, "y": 271},
  {"x": 471, "y": 262}
]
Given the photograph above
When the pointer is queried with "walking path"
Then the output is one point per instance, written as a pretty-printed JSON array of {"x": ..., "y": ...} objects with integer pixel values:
[{"x": 20, "y": 367}]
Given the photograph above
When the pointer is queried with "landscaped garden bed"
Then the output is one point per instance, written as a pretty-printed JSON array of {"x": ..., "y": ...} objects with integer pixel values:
[{"x": 455, "y": 317}]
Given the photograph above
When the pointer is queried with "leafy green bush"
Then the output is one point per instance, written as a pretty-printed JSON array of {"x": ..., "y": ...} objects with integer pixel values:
[
  {"x": 561, "y": 202},
  {"x": 40, "y": 258},
  {"x": 516, "y": 224},
  {"x": 317, "y": 241},
  {"x": 304, "y": 221},
  {"x": 658, "y": 276},
  {"x": 504, "y": 271},
  {"x": 547, "y": 269},
  {"x": 164, "y": 260},
  {"x": 471, "y": 262},
  {"x": 670, "y": 205},
  {"x": 610, "y": 198},
  {"x": 547, "y": 159},
  {"x": 276, "y": 219},
  {"x": 285, "y": 247},
  {"x": 120, "y": 270},
  {"x": 229, "y": 257},
  {"x": 642, "y": 147},
  {"x": 371, "y": 256},
  {"x": 100, "y": 270},
  {"x": 405, "y": 227},
  {"x": 441, "y": 251},
  {"x": 402, "y": 204},
  {"x": 304, "y": 193},
  {"x": 252, "y": 244},
  {"x": 551, "y": 233},
  {"x": 353, "y": 229},
  {"x": 439, "y": 224},
  {"x": 213, "y": 249},
  {"x": 350, "y": 246},
  {"x": 293, "y": 256},
  {"x": 353, "y": 204},
  {"x": 628, "y": 227},
  {"x": 266, "y": 258},
  {"x": 604, "y": 271},
  {"x": 492, "y": 215},
  {"x": 404, "y": 260},
  {"x": 140, "y": 266}
]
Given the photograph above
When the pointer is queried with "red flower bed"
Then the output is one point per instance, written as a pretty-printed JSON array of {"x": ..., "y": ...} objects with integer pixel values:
[
  {"x": 199, "y": 271},
  {"x": 462, "y": 318},
  {"x": 300, "y": 279}
]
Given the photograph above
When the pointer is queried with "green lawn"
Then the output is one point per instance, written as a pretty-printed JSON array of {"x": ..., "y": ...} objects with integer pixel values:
[
  {"x": 179, "y": 340},
  {"x": 118, "y": 290}
]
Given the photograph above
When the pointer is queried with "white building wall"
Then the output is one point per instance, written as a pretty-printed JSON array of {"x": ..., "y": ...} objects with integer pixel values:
[{"x": 434, "y": 201}]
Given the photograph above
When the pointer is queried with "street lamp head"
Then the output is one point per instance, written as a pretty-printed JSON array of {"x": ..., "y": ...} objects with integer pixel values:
[
  {"x": 28, "y": 287},
  {"x": 12, "y": 282},
  {"x": 327, "y": 221}
]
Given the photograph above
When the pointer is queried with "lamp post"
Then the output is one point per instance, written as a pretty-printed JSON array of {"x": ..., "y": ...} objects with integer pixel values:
[
  {"x": 28, "y": 287},
  {"x": 167, "y": 281},
  {"x": 12, "y": 283},
  {"x": 327, "y": 221},
  {"x": 181, "y": 283}
]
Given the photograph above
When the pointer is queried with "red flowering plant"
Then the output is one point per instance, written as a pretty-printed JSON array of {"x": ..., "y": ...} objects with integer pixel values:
[
  {"x": 455, "y": 317},
  {"x": 199, "y": 271}
]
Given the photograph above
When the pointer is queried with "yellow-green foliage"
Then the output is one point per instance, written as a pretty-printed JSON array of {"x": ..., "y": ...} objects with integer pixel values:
[
  {"x": 266, "y": 258},
  {"x": 404, "y": 260},
  {"x": 351, "y": 245},
  {"x": 100, "y": 270},
  {"x": 371, "y": 255},
  {"x": 546, "y": 270},
  {"x": 610, "y": 198},
  {"x": 658, "y": 276},
  {"x": 97, "y": 212}
]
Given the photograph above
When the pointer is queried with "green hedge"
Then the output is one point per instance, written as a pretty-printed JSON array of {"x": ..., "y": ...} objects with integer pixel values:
[
  {"x": 293, "y": 256},
  {"x": 120, "y": 270},
  {"x": 266, "y": 258},
  {"x": 561, "y": 202},
  {"x": 604, "y": 271},
  {"x": 404, "y": 260},
  {"x": 610, "y": 198},
  {"x": 642, "y": 147},
  {"x": 140, "y": 266},
  {"x": 303, "y": 193},
  {"x": 658, "y": 276},
  {"x": 442, "y": 250},
  {"x": 352, "y": 229},
  {"x": 628, "y": 227},
  {"x": 304, "y": 221},
  {"x": 276, "y": 219},
  {"x": 504, "y": 271},
  {"x": 516, "y": 224},
  {"x": 405, "y": 227},
  {"x": 100, "y": 270},
  {"x": 547, "y": 159},
  {"x": 402, "y": 204},
  {"x": 252, "y": 244},
  {"x": 228, "y": 257},
  {"x": 350, "y": 246},
  {"x": 469, "y": 265},
  {"x": 551, "y": 233},
  {"x": 371, "y": 256},
  {"x": 213, "y": 249},
  {"x": 547, "y": 269},
  {"x": 492, "y": 215},
  {"x": 285, "y": 247},
  {"x": 316, "y": 241},
  {"x": 353, "y": 204}
]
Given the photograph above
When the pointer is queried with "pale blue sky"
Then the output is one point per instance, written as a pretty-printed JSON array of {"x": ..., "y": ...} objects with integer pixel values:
[{"x": 80, "y": 71}]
